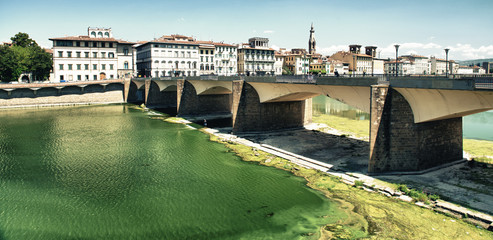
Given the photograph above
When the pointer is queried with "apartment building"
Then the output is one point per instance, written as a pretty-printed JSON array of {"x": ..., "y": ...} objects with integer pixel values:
[
  {"x": 256, "y": 57},
  {"x": 95, "y": 56},
  {"x": 174, "y": 55}
]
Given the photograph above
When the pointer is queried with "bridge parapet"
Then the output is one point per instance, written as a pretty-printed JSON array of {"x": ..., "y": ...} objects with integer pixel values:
[{"x": 433, "y": 83}]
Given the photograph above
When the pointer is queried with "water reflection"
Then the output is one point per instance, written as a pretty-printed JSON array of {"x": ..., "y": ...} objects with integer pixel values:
[
  {"x": 479, "y": 126},
  {"x": 325, "y": 105},
  {"x": 476, "y": 126}
]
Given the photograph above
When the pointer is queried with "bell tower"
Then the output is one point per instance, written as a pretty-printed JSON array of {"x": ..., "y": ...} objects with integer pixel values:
[{"x": 311, "y": 41}]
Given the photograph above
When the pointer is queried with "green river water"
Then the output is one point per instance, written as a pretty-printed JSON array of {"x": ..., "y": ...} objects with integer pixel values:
[{"x": 113, "y": 172}]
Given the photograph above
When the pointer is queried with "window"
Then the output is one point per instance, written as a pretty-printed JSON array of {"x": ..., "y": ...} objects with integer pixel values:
[
  {"x": 93, "y": 34},
  {"x": 61, "y": 77},
  {"x": 202, "y": 58},
  {"x": 77, "y": 54},
  {"x": 125, "y": 51},
  {"x": 77, "y": 44},
  {"x": 182, "y": 54},
  {"x": 103, "y": 55},
  {"x": 64, "y": 43},
  {"x": 78, "y": 66},
  {"x": 61, "y": 66},
  {"x": 69, "y": 66},
  {"x": 86, "y": 77},
  {"x": 100, "y": 34},
  {"x": 207, "y": 58},
  {"x": 125, "y": 65},
  {"x": 95, "y": 77},
  {"x": 112, "y": 76},
  {"x": 111, "y": 55},
  {"x": 86, "y": 66},
  {"x": 103, "y": 66},
  {"x": 94, "y": 67},
  {"x": 111, "y": 66},
  {"x": 86, "y": 44},
  {"x": 69, "y": 54},
  {"x": 86, "y": 54},
  {"x": 60, "y": 54},
  {"x": 201, "y": 51},
  {"x": 95, "y": 55},
  {"x": 79, "y": 77}
]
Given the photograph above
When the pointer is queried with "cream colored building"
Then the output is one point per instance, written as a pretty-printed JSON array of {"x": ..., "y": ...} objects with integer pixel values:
[{"x": 96, "y": 56}]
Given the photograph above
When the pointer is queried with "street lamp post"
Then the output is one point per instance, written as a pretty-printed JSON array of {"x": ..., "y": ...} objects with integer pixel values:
[
  {"x": 446, "y": 61},
  {"x": 396, "y": 64}
]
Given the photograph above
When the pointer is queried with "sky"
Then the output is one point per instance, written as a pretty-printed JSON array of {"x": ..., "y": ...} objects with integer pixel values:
[{"x": 423, "y": 27}]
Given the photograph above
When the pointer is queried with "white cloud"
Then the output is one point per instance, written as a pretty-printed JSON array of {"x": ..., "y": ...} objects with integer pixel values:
[
  {"x": 332, "y": 49},
  {"x": 182, "y": 19},
  {"x": 268, "y": 31},
  {"x": 275, "y": 47}
]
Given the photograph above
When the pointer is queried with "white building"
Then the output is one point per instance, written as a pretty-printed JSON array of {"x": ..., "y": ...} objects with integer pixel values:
[
  {"x": 256, "y": 58},
  {"x": 421, "y": 64},
  {"x": 96, "y": 56},
  {"x": 279, "y": 62},
  {"x": 174, "y": 55},
  {"x": 438, "y": 66},
  {"x": 226, "y": 57}
]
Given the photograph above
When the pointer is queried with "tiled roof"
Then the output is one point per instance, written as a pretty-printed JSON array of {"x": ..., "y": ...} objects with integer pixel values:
[{"x": 87, "y": 38}]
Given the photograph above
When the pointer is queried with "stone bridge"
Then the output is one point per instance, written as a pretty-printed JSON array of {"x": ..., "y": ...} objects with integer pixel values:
[
  {"x": 37, "y": 94},
  {"x": 416, "y": 122}
]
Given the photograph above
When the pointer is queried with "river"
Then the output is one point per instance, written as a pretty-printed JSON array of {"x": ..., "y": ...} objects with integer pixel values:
[
  {"x": 118, "y": 172},
  {"x": 475, "y": 126}
]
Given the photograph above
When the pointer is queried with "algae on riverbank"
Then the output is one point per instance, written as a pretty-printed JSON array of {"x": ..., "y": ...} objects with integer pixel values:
[{"x": 369, "y": 215}]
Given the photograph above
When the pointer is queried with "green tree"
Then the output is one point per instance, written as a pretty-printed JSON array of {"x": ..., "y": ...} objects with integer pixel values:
[
  {"x": 24, "y": 56},
  {"x": 22, "y": 40}
]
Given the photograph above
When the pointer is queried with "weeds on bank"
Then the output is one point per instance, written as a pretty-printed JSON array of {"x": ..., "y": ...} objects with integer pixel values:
[{"x": 417, "y": 195}]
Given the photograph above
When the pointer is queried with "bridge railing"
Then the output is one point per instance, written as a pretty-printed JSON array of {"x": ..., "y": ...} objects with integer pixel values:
[{"x": 483, "y": 83}]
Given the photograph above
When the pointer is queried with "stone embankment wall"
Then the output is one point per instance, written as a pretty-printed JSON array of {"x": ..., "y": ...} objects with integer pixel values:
[{"x": 50, "y": 94}]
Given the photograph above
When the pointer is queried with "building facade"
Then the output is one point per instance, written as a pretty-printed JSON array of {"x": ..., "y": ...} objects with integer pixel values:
[
  {"x": 206, "y": 57},
  {"x": 93, "y": 57},
  {"x": 358, "y": 63},
  {"x": 168, "y": 56},
  {"x": 256, "y": 58},
  {"x": 226, "y": 59}
]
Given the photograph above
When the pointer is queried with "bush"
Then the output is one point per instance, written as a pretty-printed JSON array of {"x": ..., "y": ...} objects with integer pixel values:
[
  {"x": 358, "y": 183},
  {"x": 403, "y": 188}
]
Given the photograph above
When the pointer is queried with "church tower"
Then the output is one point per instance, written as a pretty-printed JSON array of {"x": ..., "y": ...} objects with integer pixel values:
[{"x": 311, "y": 42}]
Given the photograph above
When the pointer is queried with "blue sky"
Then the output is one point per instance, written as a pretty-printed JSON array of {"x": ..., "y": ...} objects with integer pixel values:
[{"x": 421, "y": 27}]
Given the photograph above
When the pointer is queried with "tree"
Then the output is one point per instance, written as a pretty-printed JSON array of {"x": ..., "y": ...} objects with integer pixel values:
[
  {"x": 25, "y": 55},
  {"x": 22, "y": 40}
]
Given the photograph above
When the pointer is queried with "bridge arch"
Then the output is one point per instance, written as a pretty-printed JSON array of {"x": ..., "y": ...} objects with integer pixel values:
[
  {"x": 356, "y": 96},
  {"x": 213, "y": 87},
  {"x": 439, "y": 104}
]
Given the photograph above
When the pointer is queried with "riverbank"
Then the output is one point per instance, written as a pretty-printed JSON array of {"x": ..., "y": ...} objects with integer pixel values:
[{"x": 369, "y": 214}]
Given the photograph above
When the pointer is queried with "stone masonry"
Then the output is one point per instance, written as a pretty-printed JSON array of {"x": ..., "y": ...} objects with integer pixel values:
[
  {"x": 189, "y": 103},
  {"x": 251, "y": 115},
  {"x": 399, "y": 144}
]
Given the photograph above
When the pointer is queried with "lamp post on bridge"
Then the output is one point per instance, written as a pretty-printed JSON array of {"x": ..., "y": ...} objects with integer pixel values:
[
  {"x": 396, "y": 64},
  {"x": 446, "y": 61}
]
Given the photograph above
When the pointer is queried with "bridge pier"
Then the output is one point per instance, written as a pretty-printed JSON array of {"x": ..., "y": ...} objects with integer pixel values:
[
  {"x": 190, "y": 103},
  {"x": 399, "y": 144},
  {"x": 249, "y": 114}
]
